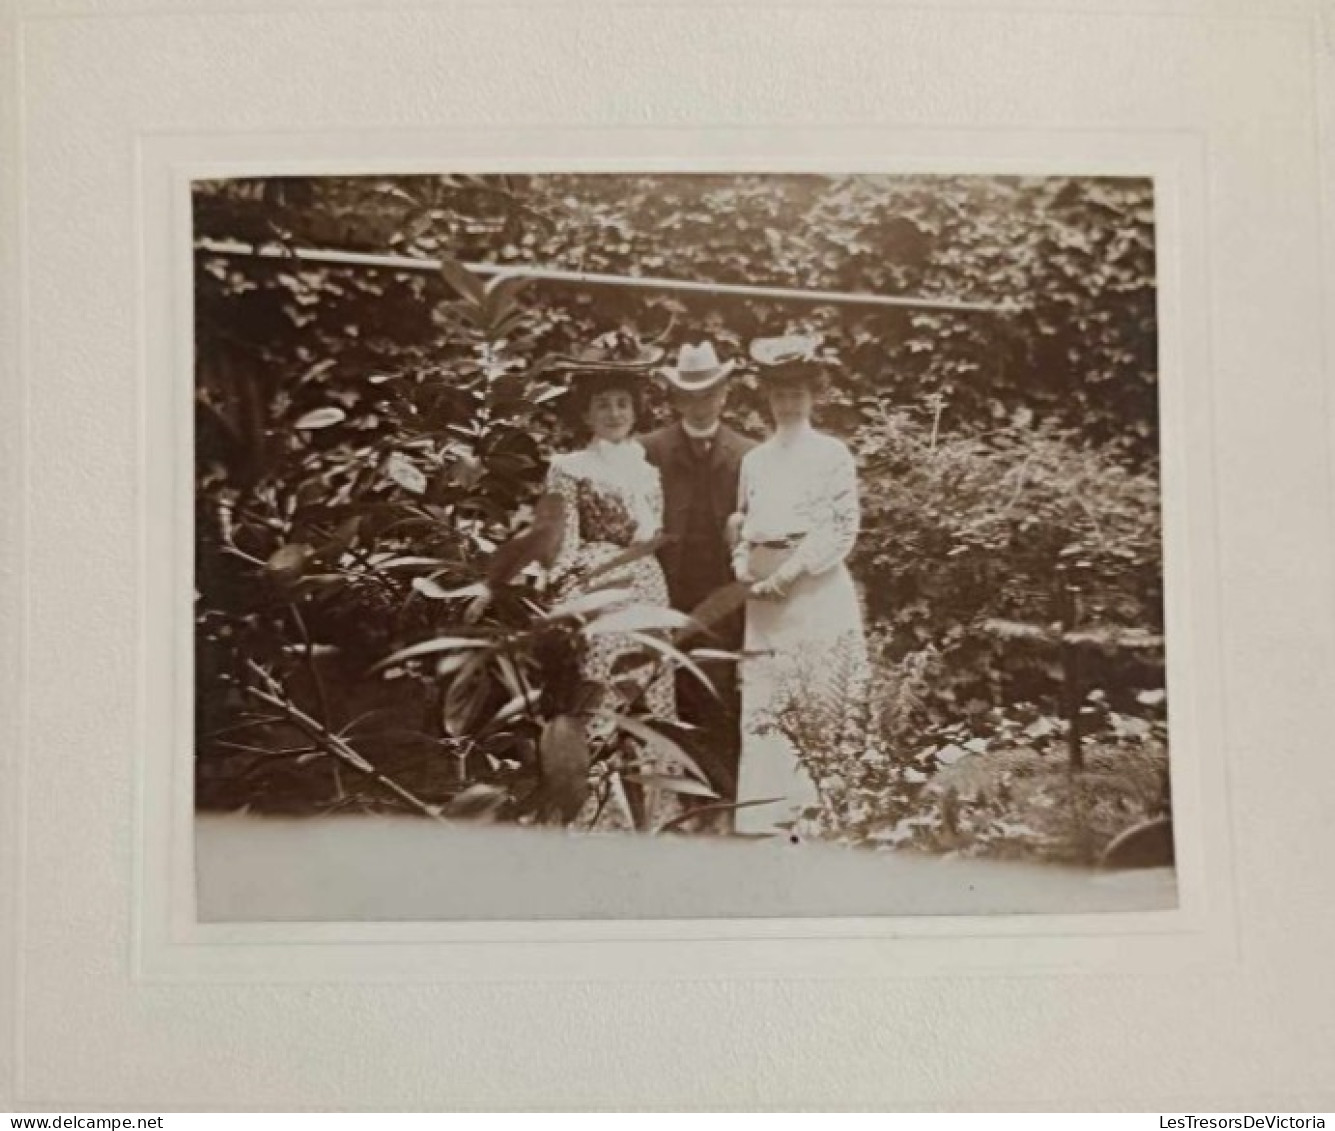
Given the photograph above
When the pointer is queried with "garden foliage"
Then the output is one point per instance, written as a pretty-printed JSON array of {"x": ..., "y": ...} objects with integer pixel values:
[{"x": 373, "y": 626}]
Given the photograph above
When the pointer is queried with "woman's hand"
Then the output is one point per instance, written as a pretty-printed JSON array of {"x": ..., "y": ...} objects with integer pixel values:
[
  {"x": 773, "y": 588},
  {"x": 741, "y": 564},
  {"x": 776, "y": 586}
]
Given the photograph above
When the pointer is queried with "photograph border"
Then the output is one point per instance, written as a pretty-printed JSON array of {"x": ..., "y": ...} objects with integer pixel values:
[{"x": 170, "y": 944}]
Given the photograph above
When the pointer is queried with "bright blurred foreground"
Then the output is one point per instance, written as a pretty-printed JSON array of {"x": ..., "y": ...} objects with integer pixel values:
[{"x": 390, "y": 868}]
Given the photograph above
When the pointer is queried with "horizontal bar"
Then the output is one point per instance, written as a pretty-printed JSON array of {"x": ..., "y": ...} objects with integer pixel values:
[{"x": 645, "y": 282}]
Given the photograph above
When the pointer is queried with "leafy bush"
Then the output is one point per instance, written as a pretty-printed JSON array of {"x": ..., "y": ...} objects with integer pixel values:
[
  {"x": 998, "y": 785},
  {"x": 962, "y": 531}
]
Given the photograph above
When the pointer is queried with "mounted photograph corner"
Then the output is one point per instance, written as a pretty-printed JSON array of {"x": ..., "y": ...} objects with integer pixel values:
[{"x": 677, "y": 545}]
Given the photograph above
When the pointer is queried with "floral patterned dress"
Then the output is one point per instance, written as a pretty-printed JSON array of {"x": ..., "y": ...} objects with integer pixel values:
[
  {"x": 613, "y": 498},
  {"x": 805, "y": 668}
]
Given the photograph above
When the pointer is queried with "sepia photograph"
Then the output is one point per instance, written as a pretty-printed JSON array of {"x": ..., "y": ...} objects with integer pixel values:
[
  {"x": 580, "y": 557},
  {"x": 648, "y": 545}
]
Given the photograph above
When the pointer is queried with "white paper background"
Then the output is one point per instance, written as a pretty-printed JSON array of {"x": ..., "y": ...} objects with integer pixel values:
[{"x": 98, "y": 82}]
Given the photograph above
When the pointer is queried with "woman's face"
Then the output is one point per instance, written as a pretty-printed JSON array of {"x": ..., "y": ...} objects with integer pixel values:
[
  {"x": 791, "y": 404},
  {"x": 610, "y": 414}
]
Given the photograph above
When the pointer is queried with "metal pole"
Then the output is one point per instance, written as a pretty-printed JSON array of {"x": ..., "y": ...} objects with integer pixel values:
[
  {"x": 592, "y": 278},
  {"x": 1070, "y": 661}
]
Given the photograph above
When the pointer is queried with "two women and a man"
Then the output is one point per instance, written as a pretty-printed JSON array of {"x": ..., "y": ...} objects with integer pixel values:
[{"x": 780, "y": 516}]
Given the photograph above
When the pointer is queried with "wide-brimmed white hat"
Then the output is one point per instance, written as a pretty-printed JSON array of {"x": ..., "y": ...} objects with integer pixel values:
[{"x": 698, "y": 369}]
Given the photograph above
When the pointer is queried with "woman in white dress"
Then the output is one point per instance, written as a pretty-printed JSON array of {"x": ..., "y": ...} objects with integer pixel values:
[
  {"x": 612, "y": 499},
  {"x": 805, "y": 651}
]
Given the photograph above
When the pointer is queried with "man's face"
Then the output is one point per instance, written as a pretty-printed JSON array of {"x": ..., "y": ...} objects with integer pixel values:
[{"x": 700, "y": 410}]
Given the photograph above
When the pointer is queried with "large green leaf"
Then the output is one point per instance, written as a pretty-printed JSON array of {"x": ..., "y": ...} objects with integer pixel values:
[
  {"x": 515, "y": 708},
  {"x": 719, "y": 604},
  {"x": 478, "y": 802},
  {"x": 540, "y": 543},
  {"x": 462, "y": 281},
  {"x": 339, "y": 541},
  {"x": 688, "y": 786},
  {"x": 287, "y": 563},
  {"x": 321, "y": 418},
  {"x": 637, "y": 618},
  {"x": 464, "y": 698},
  {"x": 586, "y": 604},
  {"x": 433, "y": 647},
  {"x": 563, "y": 755},
  {"x": 428, "y": 588},
  {"x": 405, "y": 473},
  {"x": 675, "y": 656},
  {"x": 657, "y": 743},
  {"x": 500, "y": 301},
  {"x": 717, "y": 807}
]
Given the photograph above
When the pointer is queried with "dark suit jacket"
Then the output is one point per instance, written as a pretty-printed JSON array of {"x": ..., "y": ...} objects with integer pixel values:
[
  {"x": 669, "y": 450},
  {"x": 693, "y": 573}
]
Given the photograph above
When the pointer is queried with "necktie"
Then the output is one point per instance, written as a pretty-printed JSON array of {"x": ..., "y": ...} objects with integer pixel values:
[{"x": 700, "y": 446}]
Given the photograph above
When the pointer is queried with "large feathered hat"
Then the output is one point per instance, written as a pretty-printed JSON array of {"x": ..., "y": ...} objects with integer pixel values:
[
  {"x": 617, "y": 351},
  {"x": 789, "y": 359}
]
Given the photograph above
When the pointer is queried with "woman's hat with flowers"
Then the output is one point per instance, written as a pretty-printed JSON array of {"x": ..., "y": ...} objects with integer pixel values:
[
  {"x": 789, "y": 358},
  {"x": 617, "y": 351},
  {"x": 785, "y": 350}
]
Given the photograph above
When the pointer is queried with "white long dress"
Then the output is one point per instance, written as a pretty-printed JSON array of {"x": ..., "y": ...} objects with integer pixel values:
[{"x": 805, "y": 655}]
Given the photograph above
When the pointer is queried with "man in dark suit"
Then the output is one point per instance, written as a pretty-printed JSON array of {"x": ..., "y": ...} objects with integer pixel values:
[{"x": 699, "y": 459}]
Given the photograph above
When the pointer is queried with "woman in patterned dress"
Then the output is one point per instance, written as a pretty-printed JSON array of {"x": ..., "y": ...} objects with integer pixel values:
[
  {"x": 805, "y": 652},
  {"x": 612, "y": 500}
]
